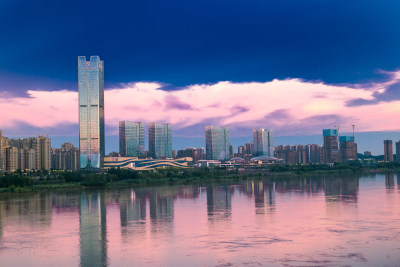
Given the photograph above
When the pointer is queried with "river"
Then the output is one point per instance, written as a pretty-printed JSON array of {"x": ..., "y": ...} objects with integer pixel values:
[{"x": 307, "y": 221}]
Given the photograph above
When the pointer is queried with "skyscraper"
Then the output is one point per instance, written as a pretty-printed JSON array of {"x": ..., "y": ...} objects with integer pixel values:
[
  {"x": 388, "y": 150},
  {"x": 263, "y": 142},
  {"x": 160, "y": 140},
  {"x": 397, "y": 145},
  {"x": 331, "y": 145},
  {"x": 131, "y": 139},
  {"x": 91, "y": 112},
  {"x": 217, "y": 143}
]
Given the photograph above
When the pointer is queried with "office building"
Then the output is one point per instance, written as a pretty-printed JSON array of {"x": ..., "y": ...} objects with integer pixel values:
[
  {"x": 91, "y": 112},
  {"x": 217, "y": 143},
  {"x": 201, "y": 153},
  {"x": 263, "y": 142},
  {"x": 397, "y": 146},
  {"x": 131, "y": 139},
  {"x": 241, "y": 151},
  {"x": 231, "y": 151},
  {"x": 160, "y": 140},
  {"x": 188, "y": 152},
  {"x": 348, "y": 148},
  {"x": 388, "y": 150},
  {"x": 249, "y": 148},
  {"x": 331, "y": 145}
]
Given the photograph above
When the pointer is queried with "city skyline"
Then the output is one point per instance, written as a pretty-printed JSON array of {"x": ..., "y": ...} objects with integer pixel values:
[{"x": 293, "y": 103}]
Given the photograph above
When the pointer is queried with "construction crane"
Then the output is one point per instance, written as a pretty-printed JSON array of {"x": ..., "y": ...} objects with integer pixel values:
[{"x": 352, "y": 125}]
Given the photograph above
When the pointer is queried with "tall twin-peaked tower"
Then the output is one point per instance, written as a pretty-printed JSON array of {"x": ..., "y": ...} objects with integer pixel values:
[{"x": 91, "y": 112}]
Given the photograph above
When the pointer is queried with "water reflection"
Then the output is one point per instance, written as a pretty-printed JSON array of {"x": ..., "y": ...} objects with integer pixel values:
[
  {"x": 93, "y": 233},
  {"x": 263, "y": 193},
  {"x": 131, "y": 216},
  {"x": 344, "y": 190},
  {"x": 219, "y": 203},
  {"x": 132, "y": 206},
  {"x": 389, "y": 182},
  {"x": 398, "y": 182}
]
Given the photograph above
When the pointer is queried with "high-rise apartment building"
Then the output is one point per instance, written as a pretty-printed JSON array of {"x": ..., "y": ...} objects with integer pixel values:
[
  {"x": 348, "y": 149},
  {"x": 131, "y": 139},
  {"x": 66, "y": 157},
  {"x": 91, "y": 112},
  {"x": 217, "y": 143},
  {"x": 3, "y": 144},
  {"x": 263, "y": 142},
  {"x": 160, "y": 140},
  {"x": 32, "y": 153},
  {"x": 331, "y": 145},
  {"x": 388, "y": 150},
  {"x": 11, "y": 158},
  {"x": 299, "y": 154}
]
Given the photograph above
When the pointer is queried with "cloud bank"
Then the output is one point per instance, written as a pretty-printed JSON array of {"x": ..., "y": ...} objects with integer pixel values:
[{"x": 290, "y": 107}]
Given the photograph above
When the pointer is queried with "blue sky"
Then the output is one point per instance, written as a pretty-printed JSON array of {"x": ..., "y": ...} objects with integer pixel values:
[
  {"x": 187, "y": 42},
  {"x": 315, "y": 47}
]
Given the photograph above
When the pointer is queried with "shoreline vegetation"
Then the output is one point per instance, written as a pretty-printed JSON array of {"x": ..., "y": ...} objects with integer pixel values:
[{"x": 36, "y": 181}]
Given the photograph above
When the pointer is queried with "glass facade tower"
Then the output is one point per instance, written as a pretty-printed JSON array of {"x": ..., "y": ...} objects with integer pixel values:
[
  {"x": 263, "y": 142},
  {"x": 91, "y": 112},
  {"x": 131, "y": 139},
  {"x": 160, "y": 140},
  {"x": 217, "y": 143}
]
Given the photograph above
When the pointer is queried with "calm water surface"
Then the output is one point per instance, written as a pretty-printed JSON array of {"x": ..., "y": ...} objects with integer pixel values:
[{"x": 321, "y": 221}]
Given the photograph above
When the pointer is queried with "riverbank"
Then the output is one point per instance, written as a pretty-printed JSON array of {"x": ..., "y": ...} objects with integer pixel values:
[{"x": 114, "y": 178}]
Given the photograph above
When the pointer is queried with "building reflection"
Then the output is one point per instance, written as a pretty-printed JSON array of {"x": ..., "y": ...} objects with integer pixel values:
[
  {"x": 219, "y": 202},
  {"x": 63, "y": 202},
  {"x": 93, "y": 232},
  {"x": 32, "y": 210},
  {"x": 398, "y": 182},
  {"x": 263, "y": 193},
  {"x": 342, "y": 189},
  {"x": 132, "y": 206},
  {"x": 133, "y": 213},
  {"x": 259, "y": 197},
  {"x": 1, "y": 223},
  {"x": 161, "y": 209},
  {"x": 299, "y": 185},
  {"x": 389, "y": 182}
]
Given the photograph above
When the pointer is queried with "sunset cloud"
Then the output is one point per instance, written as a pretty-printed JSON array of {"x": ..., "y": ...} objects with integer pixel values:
[{"x": 289, "y": 106}]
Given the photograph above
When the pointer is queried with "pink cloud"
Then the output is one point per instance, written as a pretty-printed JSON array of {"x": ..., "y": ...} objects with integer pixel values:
[{"x": 237, "y": 105}]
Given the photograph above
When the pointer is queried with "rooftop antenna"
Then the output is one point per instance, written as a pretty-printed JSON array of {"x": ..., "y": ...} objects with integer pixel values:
[{"x": 354, "y": 139}]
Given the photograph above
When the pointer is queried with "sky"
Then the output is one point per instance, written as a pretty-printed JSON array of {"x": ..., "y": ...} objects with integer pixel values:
[{"x": 294, "y": 66}]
